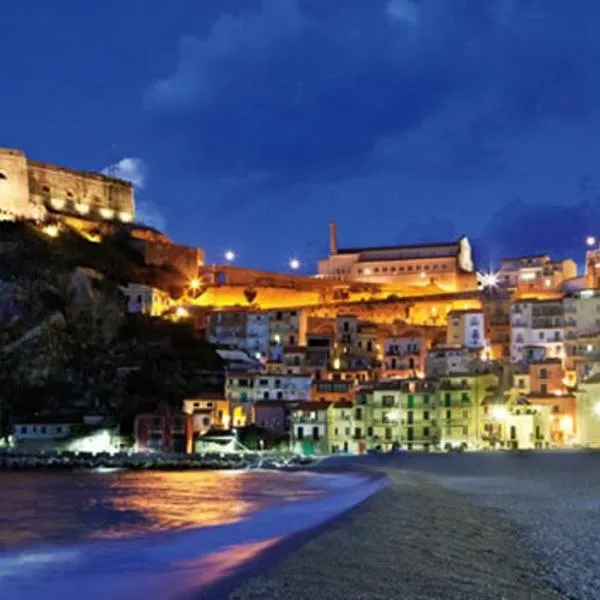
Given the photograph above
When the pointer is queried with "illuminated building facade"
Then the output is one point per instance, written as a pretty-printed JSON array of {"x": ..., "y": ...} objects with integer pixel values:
[
  {"x": 447, "y": 265},
  {"x": 537, "y": 273},
  {"x": 32, "y": 190}
]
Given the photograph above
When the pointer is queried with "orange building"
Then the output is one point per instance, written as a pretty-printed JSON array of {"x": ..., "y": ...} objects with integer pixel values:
[{"x": 547, "y": 377}]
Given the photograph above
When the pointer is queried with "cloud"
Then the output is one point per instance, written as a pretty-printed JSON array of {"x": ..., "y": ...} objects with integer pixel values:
[
  {"x": 129, "y": 169},
  {"x": 403, "y": 10},
  {"x": 311, "y": 93},
  {"x": 135, "y": 170}
]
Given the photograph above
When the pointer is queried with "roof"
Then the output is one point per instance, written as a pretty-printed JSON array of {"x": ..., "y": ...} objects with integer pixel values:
[
  {"x": 313, "y": 406},
  {"x": 529, "y": 256},
  {"x": 384, "y": 248},
  {"x": 294, "y": 350},
  {"x": 273, "y": 404},
  {"x": 343, "y": 404},
  {"x": 547, "y": 361}
]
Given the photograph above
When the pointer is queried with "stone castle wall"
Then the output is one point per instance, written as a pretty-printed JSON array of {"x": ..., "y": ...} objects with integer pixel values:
[{"x": 29, "y": 188}]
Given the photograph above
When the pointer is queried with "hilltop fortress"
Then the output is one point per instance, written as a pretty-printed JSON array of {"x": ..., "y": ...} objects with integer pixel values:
[{"x": 33, "y": 190}]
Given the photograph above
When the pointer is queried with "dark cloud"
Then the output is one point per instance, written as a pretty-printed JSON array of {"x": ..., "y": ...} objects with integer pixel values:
[{"x": 310, "y": 90}]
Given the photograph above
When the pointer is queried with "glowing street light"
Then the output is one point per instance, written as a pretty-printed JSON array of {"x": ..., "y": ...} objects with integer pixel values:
[
  {"x": 230, "y": 256},
  {"x": 182, "y": 313},
  {"x": 194, "y": 283},
  {"x": 487, "y": 280},
  {"x": 294, "y": 264},
  {"x": 590, "y": 240},
  {"x": 499, "y": 413}
]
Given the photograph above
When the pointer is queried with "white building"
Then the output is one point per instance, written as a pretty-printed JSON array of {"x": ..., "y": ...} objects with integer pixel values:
[
  {"x": 146, "y": 300},
  {"x": 448, "y": 265},
  {"x": 403, "y": 356},
  {"x": 536, "y": 324},
  {"x": 588, "y": 412},
  {"x": 254, "y": 387},
  {"x": 446, "y": 360},
  {"x": 466, "y": 328}
]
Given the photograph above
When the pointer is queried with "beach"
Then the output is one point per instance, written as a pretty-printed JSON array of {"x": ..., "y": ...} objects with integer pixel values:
[{"x": 464, "y": 527}]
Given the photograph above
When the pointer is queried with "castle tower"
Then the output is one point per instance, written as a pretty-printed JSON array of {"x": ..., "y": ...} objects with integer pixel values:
[{"x": 332, "y": 238}]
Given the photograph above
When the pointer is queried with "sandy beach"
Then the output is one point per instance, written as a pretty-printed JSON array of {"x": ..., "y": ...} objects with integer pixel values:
[{"x": 419, "y": 538}]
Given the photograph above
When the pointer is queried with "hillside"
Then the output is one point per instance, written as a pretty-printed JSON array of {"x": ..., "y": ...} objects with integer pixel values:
[{"x": 66, "y": 342}]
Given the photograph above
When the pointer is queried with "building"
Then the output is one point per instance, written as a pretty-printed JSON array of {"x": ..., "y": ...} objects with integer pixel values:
[
  {"x": 273, "y": 415},
  {"x": 146, "y": 300},
  {"x": 448, "y": 265},
  {"x": 228, "y": 327},
  {"x": 309, "y": 428},
  {"x": 446, "y": 360},
  {"x": 461, "y": 396},
  {"x": 539, "y": 324},
  {"x": 164, "y": 430},
  {"x": 581, "y": 329},
  {"x": 535, "y": 273},
  {"x": 404, "y": 356},
  {"x": 257, "y": 333},
  {"x": 328, "y": 390},
  {"x": 42, "y": 433},
  {"x": 496, "y": 309},
  {"x": 286, "y": 328},
  {"x": 208, "y": 412},
  {"x": 244, "y": 387},
  {"x": 32, "y": 190},
  {"x": 466, "y": 328},
  {"x": 588, "y": 412},
  {"x": 340, "y": 428}
]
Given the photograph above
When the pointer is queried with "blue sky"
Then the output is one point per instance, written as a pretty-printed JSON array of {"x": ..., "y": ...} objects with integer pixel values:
[{"x": 250, "y": 124}]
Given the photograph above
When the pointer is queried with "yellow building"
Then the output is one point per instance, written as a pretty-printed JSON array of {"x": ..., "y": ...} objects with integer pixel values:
[
  {"x": 340, "y": 428},
  {"x": 461, "y": 400},
  {"x": 588, "y": 412}
]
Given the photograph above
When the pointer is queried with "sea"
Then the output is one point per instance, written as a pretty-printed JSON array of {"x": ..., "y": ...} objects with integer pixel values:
[{"x": 154, "y": 535}]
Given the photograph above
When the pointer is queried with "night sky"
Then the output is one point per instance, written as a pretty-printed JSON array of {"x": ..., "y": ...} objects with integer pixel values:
[{"x": 251, "y": 124}]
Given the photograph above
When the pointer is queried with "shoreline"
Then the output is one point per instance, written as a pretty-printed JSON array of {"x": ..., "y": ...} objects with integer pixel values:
[{"x": 413, "y": 539}]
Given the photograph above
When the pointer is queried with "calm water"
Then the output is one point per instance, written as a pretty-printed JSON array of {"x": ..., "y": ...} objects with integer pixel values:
[
  {"x": 152, "y": 535},
  {"x": 57, "y": 508}
]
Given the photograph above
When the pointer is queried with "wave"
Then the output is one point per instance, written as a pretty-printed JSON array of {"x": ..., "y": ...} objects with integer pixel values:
[{"x": 171, "y": 564}]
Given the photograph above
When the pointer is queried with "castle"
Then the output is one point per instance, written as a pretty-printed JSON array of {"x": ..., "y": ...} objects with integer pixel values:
[{"x": 35, "y": 190}]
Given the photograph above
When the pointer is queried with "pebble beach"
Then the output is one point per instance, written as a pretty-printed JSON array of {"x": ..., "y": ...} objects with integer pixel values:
[{"x": 475, "y": 527}]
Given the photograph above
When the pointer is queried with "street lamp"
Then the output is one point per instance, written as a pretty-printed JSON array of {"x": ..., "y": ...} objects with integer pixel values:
[
  {"x": 590, "y": 240},
  {"x": 487, "y": 280},
  {"x": 195, "y": 284},
  {"x": 294, "y": 264},
  {"x": 230, "y": 256}
]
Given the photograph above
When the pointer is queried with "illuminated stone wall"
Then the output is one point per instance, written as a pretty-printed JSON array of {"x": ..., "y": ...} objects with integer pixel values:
[
  {"x": 77, "y": 192},
  {"x": 28, "y": 188}
]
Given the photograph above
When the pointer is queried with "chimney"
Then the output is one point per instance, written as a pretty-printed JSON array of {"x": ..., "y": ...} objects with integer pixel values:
[{"x": 332, "y": 239}]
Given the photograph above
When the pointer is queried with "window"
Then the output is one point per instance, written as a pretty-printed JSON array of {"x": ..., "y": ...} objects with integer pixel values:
[
  {"x": 448, "y": 415},
  {"x": 544, "y": 373},
  {"x": 410, "y": 402},
  {"x": 425, "y": 431},
  {"x": 464, "y": 397},
  {"x": 410, "y": 417},
  {"x": 300, "y": 433},
  {"x": 43, "y": 429},
  {"x": 205, "y": 421},
  {"x": 425, "y": 415},
  {"x": 544, "y": 388},
  {"x": 447, "y": 399},
  {"x": 265, "y": 395},
  {"x": 425, "y": 398},
  {"x": 358, "y": 414},
  {"x": 279, "y": 395},
  {"x": 59, "y": 429},
  {"x": 369, "y": 346},
  {"x": 465, "y": 431},
  {"x": 315, "y": 433},
  {"x": 388, "y": 433},
  {"x": 521, "y": 383},
  {"x": 387, "y": 401},
  {"x": 358, "y": 432},
  {"x": 369, "y": 431},
  {"x": 24, "y": 429}
]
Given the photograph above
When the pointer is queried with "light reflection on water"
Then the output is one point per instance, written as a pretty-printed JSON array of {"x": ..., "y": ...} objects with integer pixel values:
[{"x": 50, "y": 507}]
